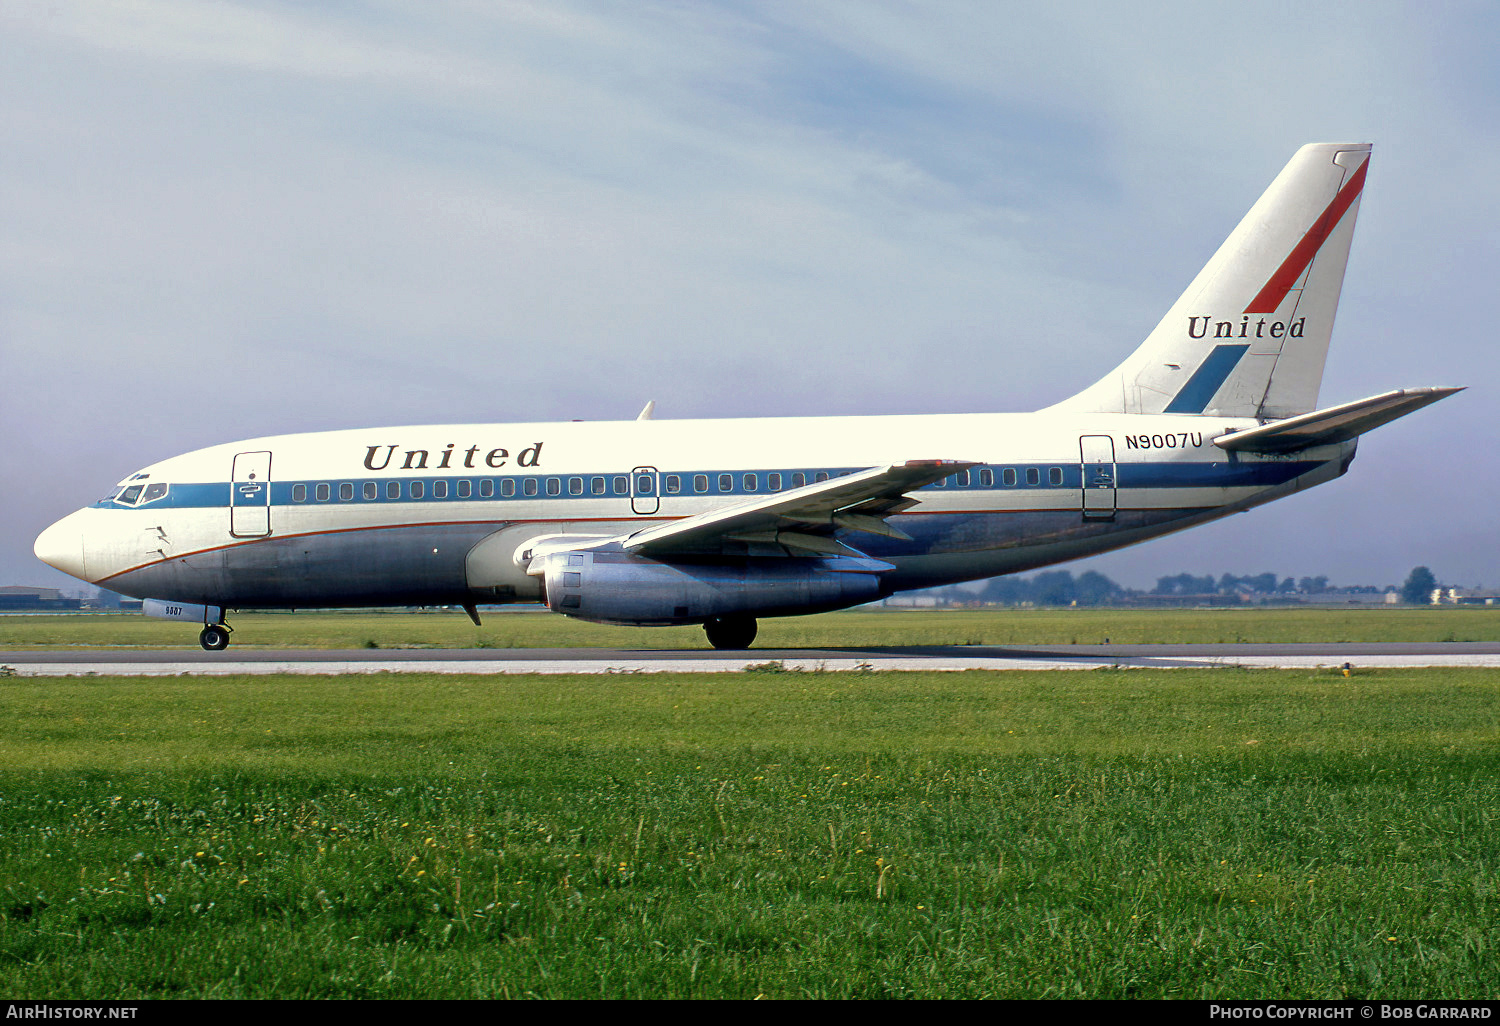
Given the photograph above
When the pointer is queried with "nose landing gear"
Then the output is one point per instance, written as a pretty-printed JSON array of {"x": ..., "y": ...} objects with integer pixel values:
[{"x": 215, "y": 637}]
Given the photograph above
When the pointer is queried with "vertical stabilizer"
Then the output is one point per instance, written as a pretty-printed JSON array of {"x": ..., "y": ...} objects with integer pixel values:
[{"x": 1249, "y": 336}]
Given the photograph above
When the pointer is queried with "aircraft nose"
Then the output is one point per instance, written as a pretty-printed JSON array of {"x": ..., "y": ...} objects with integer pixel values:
[{"x": 61, "y": 546}]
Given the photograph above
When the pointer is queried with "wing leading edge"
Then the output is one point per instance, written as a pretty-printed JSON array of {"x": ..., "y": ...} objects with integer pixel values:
[{"x": 801, "y": 521}]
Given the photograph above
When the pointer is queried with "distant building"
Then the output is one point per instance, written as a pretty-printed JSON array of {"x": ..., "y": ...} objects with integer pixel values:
[
  {"x": 15, "y": 597},
  {"x": 913, "y": 602},
  {"x": 1463, "y": 597}
]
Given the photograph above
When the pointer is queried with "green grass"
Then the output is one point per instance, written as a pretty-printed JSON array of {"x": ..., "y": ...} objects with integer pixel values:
[
  {"x": 830, "y": 630},
  {"x": 1227, "y": 833}
]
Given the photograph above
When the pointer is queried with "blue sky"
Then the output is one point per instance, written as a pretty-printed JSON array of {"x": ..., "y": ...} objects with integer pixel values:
[{"x": 220, "y": 220}]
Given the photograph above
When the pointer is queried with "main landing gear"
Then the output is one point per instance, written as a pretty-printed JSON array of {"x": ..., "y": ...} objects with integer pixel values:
[
  {"x": 732, "y": 632},
  {"x": 215, "y": 637}
]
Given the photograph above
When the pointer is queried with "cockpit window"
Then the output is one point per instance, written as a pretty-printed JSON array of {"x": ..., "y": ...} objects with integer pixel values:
[{"x": 140, "y": 494}]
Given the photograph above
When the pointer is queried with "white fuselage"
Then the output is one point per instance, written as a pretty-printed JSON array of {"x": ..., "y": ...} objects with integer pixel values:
[{"x": 435, "y": 514}]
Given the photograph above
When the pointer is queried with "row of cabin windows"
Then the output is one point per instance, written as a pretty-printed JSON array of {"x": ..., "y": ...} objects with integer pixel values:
[
  {"x": 672, "y": 484},
  {"x": 464, "y": 488},
  {"x": 1008, "y": 478}
]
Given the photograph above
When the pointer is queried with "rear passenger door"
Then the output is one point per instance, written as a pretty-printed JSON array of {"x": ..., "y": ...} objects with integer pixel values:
[{"x": 1097, "y": 454}]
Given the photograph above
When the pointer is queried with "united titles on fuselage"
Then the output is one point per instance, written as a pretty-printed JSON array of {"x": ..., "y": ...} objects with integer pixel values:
[{"x": 419, "y": 459}]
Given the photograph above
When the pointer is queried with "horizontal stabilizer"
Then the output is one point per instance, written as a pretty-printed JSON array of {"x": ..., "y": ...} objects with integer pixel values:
[{"x": 1335, "y": 424}]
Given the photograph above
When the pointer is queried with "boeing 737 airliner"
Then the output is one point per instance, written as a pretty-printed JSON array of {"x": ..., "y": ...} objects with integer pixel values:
[{"x": 719, "y": 522}]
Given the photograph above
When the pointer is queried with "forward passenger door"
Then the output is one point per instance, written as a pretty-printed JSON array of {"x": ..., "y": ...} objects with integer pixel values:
[{"x": 250, "y": 495}]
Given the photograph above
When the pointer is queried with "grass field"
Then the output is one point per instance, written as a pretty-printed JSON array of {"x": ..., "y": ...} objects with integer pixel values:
[
  {"x": 830, "y": 630},
  {"x": 1224, "y": 833}
]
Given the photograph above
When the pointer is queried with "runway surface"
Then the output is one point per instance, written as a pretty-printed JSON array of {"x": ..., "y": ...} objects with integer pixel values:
[{"x": 599, "y": 660}]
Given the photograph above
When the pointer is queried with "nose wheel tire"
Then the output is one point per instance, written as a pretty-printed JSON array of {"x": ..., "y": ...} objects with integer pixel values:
[
  {"x": 215, "y": 638},
  {"x": 730, "y": 632}
]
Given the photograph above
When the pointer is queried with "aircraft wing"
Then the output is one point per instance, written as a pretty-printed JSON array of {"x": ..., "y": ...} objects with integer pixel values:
[
  {"x": 1335, "y": 424},
  {"x": 800, "y": 521}
]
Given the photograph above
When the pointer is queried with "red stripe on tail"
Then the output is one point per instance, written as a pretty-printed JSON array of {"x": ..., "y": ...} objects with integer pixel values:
[{"x": 1296, "y": 262}]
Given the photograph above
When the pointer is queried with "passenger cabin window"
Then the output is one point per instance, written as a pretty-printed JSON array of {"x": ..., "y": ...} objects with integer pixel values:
[
  {"x": 726, "y": 482},
  {"x": 597, "y": 485},
  {"x": 440, "y": 489},
  {"x": 674, "y": 484},
  {"x": 773, "y": 482},
  {"x": 622, "y": 486},
  {"x": 393, "y": 489},
  {"x": 986, "y": 478},
  {"x": 346, "y": 491},
  {"x": 962, "y": 478},
  {"x": 465, "y": 489},
  {"x": 1033, "y": 476},
  {"x": 486, "y": 488},
  {"x": 299, "y": 493},
  {"x": 799, "y": 480},
  {"x": 418, "y": 489},
  {"x": 751, "y": 482},
  {"x": 575, "y": 486},
  {"x": 372, "y": 490},
  {"x": 1009, "y": 477},
  {"x": 529, "y": 486},
  {"x": 700, "y": 482},
  {"x": 821, "y": 475},
  {"x": 1055, "y": 475},
  {"x": 554, "y": 486},
  {"x": 323, "y": 492}
]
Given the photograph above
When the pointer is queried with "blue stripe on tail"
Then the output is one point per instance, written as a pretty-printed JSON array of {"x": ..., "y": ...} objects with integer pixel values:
[{"x": 1207, "y": 379}]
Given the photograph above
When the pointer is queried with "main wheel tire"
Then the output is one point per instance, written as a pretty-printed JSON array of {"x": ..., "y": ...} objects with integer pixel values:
[
  {"x": 214, "y": 638},
  {"x": 730, "y": 632}
]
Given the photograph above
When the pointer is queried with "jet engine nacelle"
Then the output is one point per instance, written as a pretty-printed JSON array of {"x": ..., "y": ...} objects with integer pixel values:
[{"x": 618, "y": 587}]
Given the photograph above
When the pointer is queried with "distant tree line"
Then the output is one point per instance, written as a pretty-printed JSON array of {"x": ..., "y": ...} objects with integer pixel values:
[
  {"x": 1255, "y": 584},
  {"x": 1091, "y": 588},
  {"x": 1052, "y": 588}
]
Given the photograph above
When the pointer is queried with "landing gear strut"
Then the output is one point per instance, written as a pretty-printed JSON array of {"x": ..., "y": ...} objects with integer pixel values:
[
  {"x": 215, "y": 637},
  {"x": 731, "y": 632}
]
